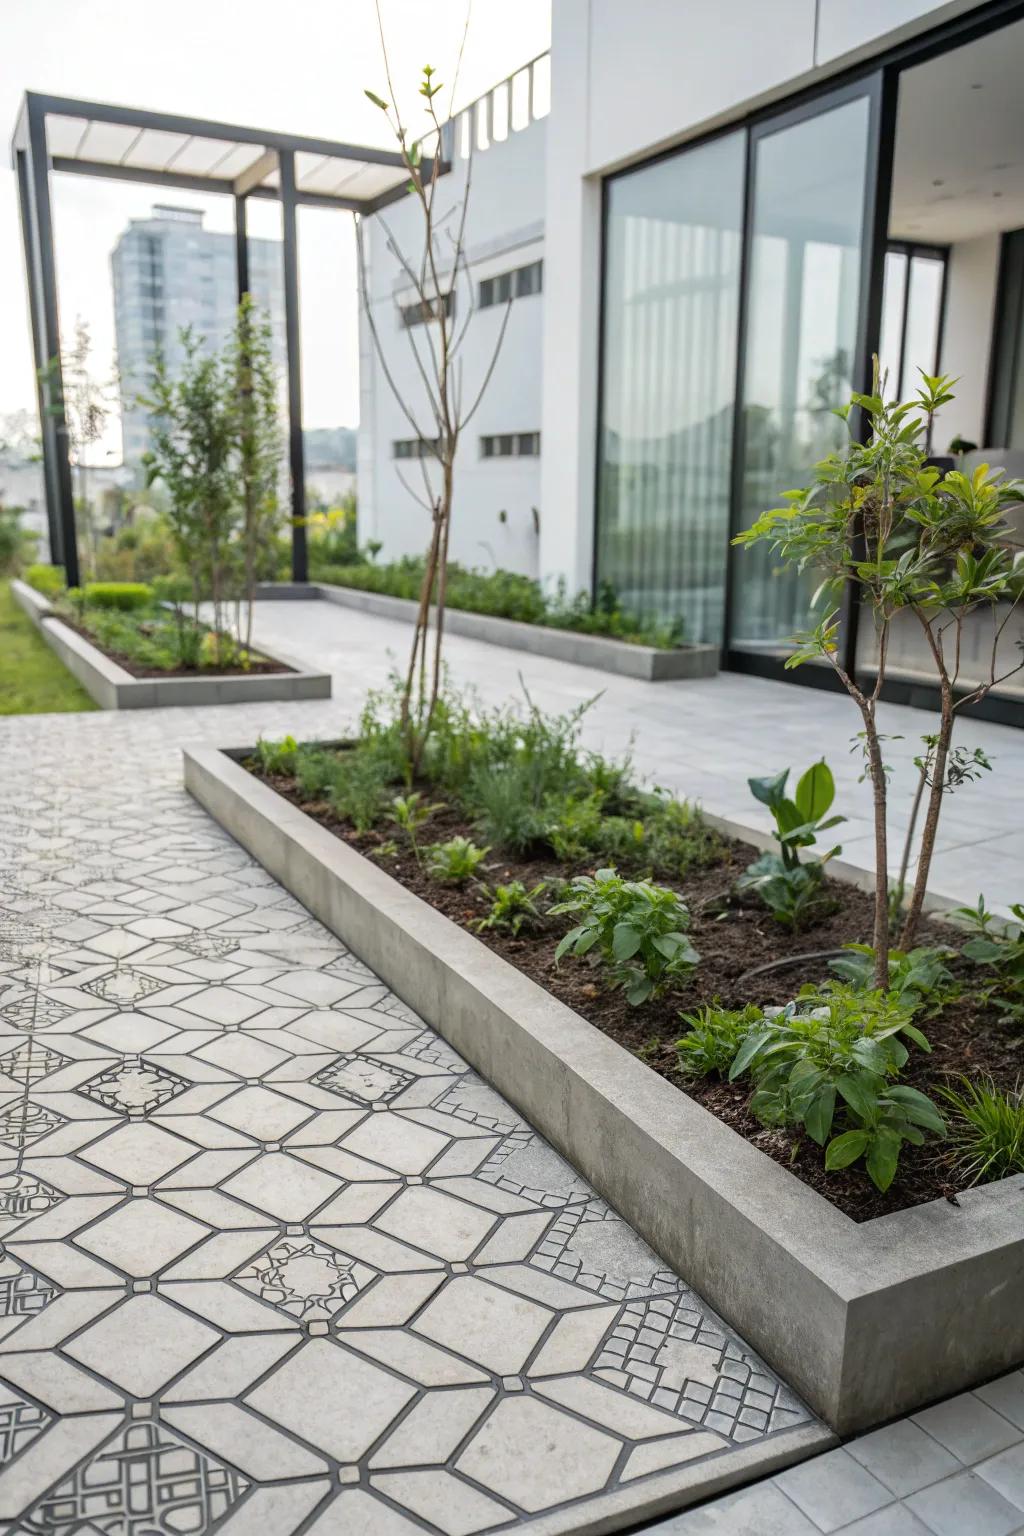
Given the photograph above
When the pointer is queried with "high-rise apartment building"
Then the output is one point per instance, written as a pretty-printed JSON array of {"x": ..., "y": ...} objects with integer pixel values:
[{"x": 170, "y": 273}]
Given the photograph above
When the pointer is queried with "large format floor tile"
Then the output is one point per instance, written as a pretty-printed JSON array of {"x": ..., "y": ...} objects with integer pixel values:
[{"x": 274, "y": 1257}]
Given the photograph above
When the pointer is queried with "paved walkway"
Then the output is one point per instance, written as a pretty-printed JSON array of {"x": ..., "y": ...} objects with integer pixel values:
[
  {"x": 273, "y": 1259},
  {"x": 704, "y": 739},
  {"x": 954, "y": 1470}
]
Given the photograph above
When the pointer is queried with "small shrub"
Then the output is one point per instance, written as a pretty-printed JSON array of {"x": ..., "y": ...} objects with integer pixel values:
[
  {"x": 791, "y": 889},
  {"x": 456, "y": 861},
  {"x": 713, "y": 1038},
  {"x": 316, "y": 773},
  {"x": 359, "y": 792},
  {"x": 636, "y": 929},
  {"x": 277, "y": 756},
  {"x": 837, "y": 1050},
  {"x": 1000, "y": 950},
  {"x": 126, "y": 596},
  {"x": 986, "y": 1133},
  {"x": 513, "y": 908},
  {"x": 47, "y": 579},
  {"x": 921, "y": 979}
]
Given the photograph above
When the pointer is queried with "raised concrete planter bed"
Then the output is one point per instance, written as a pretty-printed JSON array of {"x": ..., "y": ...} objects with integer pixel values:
[
  {"x": 867, "y": 1321},
  {"x": 642, "y": 661},
  {"x": 114, "y": 688}
]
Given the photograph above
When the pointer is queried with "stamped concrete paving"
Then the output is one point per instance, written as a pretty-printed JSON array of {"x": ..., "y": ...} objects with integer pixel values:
[{"x": 274, "y": 1260}]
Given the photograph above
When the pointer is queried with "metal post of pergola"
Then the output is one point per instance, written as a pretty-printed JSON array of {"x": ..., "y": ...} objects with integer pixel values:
[{"x": 88, "y": 138}]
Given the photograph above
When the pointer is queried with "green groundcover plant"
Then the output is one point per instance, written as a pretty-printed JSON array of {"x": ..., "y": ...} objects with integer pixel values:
[
  {"x": 504, "y": 595},
  {"x": 636, "y": 930}
]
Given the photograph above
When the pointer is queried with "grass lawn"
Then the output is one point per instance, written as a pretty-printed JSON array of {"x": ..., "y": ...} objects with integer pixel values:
[{"x": 32, "y": 680}]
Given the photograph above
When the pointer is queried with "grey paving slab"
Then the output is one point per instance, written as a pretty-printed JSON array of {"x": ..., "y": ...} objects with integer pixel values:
[
  {"x": 903, "y": 1457},
  {"x": 967, "y": 1427},
  {"x": 263, "y": 1267},
  {"x": 833, "y": 1490},
  {"x": 965, "y": 1503},
  {"x": 1005, "y": 1472},
  {"x": 759, "y": 1511}
]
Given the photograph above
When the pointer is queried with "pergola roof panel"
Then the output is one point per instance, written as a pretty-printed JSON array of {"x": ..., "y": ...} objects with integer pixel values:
[{"x": 137, "y": 144}]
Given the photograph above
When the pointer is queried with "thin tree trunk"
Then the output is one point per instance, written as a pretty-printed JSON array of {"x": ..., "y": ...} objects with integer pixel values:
[
  {"x": 908, "y": 842},
  {"x": 878, "y": 787},
  {"x": 931, "y": 821}
]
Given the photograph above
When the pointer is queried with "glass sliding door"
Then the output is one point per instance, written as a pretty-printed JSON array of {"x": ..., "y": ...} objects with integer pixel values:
[
  {"x": 671, "y": 301},
  {"x": 804, "y": 269}
]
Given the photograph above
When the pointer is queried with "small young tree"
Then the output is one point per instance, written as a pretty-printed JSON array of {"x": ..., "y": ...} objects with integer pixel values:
[
  {"x": 86, "y": 408},
  {"x": 442, "y": 410},
  {"x": 193, "y": 419},
  {"x": 257, "y": 435},
  {"x": 907, "y": 540}
]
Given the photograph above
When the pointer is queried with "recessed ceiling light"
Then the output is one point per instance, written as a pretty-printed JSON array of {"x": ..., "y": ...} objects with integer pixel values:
[
  {"x": 977, "y": 86},
  {"x": 938, "y": 182},
  {"x": 997, "y": 194}
]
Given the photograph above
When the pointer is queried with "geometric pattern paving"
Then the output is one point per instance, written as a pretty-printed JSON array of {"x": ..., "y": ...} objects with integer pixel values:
[{"x": 273, "y": 1258}]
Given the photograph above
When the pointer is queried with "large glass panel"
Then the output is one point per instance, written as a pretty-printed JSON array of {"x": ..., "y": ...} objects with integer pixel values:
[
  {"x": 804, "y": 285},
  {"x": 671, "y": 297},
  {"x": 924, "y": 312},
  {"x": 890, "y": 344}
]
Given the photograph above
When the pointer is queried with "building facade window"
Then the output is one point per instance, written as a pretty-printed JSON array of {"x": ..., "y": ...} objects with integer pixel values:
[
  {"x": 510, "y": 445},
  {"x": 1005, "y": 425},
  {"x": 414, "y": 448},
  {"x": 422, "y": 311},
  {"x": 671, "y": 305},
  {"x": 519, "y": 283},
  {"x": 912, "y": 301}
]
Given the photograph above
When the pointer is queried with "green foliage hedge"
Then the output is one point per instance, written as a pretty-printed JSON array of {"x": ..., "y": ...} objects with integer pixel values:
[
  {"x": 123, "y": 595},
  {"x": 505, "y": 595},
  {"x": 47, "y": 579}
]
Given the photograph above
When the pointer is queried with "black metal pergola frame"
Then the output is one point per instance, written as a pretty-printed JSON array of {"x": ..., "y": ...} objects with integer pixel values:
[{"x": 254, "y": 163}]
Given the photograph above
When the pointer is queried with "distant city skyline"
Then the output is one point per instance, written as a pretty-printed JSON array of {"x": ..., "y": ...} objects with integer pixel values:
[{"x": 306, "y": 74}]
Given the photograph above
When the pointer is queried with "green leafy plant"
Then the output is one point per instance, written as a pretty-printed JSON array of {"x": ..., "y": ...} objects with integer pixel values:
[
  {"x": 637, "y": 930},
  {"x": 986, "y": 1130},
  {"x": 791, "y": 888},
  {"x": 921, "y": 979},
  {"x": 999, "y": 948},
  {"x": 713, "y": 1038},
  {"x": 277, "y": 756},
  {"x": 513, "y": 908},
  {"x": 174, "y": 592},
  {"x": 908, "y": 540},
  {"x": 455, "y": 861},
  {"x": 412, "y": 812},
  {"x": 47, "y": 579},
  {"x": 838, "y": 1050},
  {"x": 124, "y": 595}
]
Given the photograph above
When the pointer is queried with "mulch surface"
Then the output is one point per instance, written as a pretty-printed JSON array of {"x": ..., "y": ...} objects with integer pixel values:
[{"x": 733, "y": 938}]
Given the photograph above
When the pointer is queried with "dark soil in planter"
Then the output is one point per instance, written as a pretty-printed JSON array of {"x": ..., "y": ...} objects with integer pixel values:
[
  {"x": 258, "y": 665},
  {"x": 733, "y": 938}
]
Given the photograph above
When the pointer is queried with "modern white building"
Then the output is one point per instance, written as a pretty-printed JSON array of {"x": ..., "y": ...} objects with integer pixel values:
[{"x": 736, "y": 206}]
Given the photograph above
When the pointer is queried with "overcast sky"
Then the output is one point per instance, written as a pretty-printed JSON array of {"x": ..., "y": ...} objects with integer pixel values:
[{"x": 300, "y": 66}]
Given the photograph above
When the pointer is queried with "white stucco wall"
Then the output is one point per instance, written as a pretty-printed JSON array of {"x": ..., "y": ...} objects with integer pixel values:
[{"x": 504, "y": 230}]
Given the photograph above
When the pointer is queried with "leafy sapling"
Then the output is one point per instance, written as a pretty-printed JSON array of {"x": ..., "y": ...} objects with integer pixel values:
[
  {"x": 999, "y": 948},
  {"x": 637, "y": 930},
  {"x": 791, "y": 888},
  {"x": 921, "y": 979},
  {"x": 277, "y": 756},
  {"x": 714, "y": 1037},
  {"x": 411, "y": 812}
]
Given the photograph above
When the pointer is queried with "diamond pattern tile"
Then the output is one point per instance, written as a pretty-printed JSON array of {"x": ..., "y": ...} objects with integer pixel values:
[{"x": 281, "y": 1261}]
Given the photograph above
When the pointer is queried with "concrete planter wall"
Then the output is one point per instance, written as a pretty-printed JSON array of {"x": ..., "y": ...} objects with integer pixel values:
[
  {"x": 113, "y": 688},
  {"x": 867, "y": 1321},
  {"x": 641, "y": 661}
]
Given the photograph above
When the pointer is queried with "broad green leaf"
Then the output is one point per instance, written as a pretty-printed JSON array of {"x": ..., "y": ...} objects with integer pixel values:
[
  {"x": 819, "y": 1115},
  {"x": 844, "y": 1150},
  {"x": 769, "y": 791},
  {"x": 861, "y": 1093},
  {"x": 567, "y": 942},
  {"x": 882, "y": 1158},
  {"x": 815, "y": 792},
  {"x": 626, "y": 940},
  {"x": 746, "y": 1053}
]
